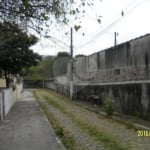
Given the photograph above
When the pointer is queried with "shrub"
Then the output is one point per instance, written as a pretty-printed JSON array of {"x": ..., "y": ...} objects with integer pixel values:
[
  {"x": 59, "y": 131},
  {"x": 109, "y": 107}
]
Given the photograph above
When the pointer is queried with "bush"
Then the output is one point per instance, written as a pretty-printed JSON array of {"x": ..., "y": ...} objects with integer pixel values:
[
  {"x": 59, "y": 131},
  {"x": 109, "y": 107}
]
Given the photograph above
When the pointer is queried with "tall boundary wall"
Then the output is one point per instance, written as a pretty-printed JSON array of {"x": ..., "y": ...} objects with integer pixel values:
[
  {"x": 120, "y": 73},
  {"x": 132, "y": 99}
]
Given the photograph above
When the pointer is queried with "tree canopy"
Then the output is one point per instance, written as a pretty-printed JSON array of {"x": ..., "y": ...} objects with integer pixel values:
[
  {"x": 42, "y": 71},
  {"x": 60, "y": 64},
  {"x": 49, "y": 68},
  {"x": 14, "y": 49},
  {"x": 35, "y": 12}
]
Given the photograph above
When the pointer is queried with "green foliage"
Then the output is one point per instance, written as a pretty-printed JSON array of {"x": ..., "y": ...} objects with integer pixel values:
[
  {"x": 77, "y": 27},
  {"x": 99, "y": 21},
  {"x": 66, "y": 139},
  {"x": 79, "y": 55},
  {"x": 43, "y": 70},
  {"x": 109, "y": 107},
  {"x": 14, "y": 49},
  {"x": 61, "y": 63},
  {"x": 37, "y": 12},
  {"x": 59, "y": 131},
  {"x": 109, "y": 141},
  {"x": 62, "y": 54}
]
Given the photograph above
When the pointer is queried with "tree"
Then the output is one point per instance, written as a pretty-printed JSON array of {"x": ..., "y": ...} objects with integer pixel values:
[
  {"x": 62, "y": 54},
  {"x": 35, "y": 12},
  {"x": 48, "y": 68},
  {"x": 79, "y": 55},
  {"x": 14, "y": 50},
  {"x": 42, "y": 71},
  {"x": 60, "y": 64}
]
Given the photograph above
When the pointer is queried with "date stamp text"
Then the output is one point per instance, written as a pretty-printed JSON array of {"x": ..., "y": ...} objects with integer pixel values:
[{"x": 144, "y": 133}]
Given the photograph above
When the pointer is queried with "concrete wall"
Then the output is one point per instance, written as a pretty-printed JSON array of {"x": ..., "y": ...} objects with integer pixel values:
[
  {"x": 6, "y": 101},
  {"x": 133, "y": 99},
  {"x": 125, "y": 62},
  {"x": 2, "y": 83},
  {"x": 17, "y": 91},
  {"x": 8, "y": 98},
  {"x": 121, "y": 73}
]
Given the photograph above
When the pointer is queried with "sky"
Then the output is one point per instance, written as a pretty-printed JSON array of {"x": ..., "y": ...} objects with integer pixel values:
[{"x": 129, "y": 18}]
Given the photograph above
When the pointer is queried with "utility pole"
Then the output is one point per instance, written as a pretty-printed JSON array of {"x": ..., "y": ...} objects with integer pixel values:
[
  {"x": 115, "y": 37},
  {"x": 71, "y": 65},
  {"x": 71, "y": 43}
]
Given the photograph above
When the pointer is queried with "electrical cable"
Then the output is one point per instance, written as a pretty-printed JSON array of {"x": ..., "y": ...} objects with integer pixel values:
[{"x": 103, "y": 31}]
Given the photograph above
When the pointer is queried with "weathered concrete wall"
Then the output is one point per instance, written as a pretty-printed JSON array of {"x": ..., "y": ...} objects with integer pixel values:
[
  {"x": 121, "y": 73},
  {"x": 133, "y": 99},
  {"x": 125, "y": 62},
  {"x": 8, "y": 98}
]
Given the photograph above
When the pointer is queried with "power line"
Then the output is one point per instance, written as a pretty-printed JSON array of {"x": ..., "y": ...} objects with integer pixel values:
[
  {"x": 56, "y": 40},
  {"x": 113, "y": 19},
  {"x": 103, "y": 31}
]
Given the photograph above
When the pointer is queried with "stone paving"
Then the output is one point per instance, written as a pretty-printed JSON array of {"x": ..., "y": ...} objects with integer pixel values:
[{"x": 127, "y": 137}]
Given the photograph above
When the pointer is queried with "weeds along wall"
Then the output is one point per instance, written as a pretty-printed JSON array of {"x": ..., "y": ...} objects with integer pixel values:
[{"x": 131, "y": 99}]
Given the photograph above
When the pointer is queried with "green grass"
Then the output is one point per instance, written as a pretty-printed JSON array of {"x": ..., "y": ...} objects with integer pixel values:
[
  {"x": 66, "y": 139},
  {"x": 110, "y": 142},
  {"x": 127, "y": 124}
]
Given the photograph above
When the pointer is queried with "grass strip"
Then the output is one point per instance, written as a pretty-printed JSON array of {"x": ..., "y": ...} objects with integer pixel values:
[
  {"x": 66, "y": 139},
  {"x": 128, "y": 125},
  {"x": 110, "y": 142}
]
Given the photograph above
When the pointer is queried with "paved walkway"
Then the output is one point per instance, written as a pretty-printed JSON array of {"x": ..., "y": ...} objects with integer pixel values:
[{"x": 26, "y": 128}]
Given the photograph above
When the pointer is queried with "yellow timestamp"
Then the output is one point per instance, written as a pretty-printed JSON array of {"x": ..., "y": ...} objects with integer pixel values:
[{"x": 143, "y": 133}]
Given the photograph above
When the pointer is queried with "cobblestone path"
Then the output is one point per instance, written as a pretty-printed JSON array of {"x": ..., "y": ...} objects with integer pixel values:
[{"x": 127, "y": 138}]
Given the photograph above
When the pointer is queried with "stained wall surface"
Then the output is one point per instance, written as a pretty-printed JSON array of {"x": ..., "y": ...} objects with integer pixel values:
[
  {"x": 124, "y": 62},
  {"x": 120, "y": 73}
]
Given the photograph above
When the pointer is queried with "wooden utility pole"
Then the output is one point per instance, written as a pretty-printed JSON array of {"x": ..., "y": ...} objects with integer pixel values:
[{"x": 71, "y": 65}]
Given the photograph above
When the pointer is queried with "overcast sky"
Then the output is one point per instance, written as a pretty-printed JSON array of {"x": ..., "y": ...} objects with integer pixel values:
[{"x": 129, "y": 18}]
